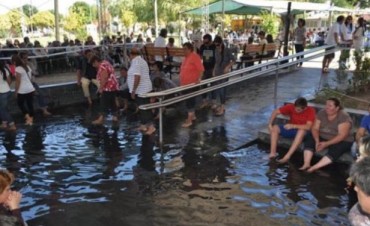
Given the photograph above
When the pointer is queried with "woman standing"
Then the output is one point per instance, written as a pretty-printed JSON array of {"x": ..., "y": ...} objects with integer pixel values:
[
  {"x": 191, "y": 72},
  {"x": 359, "y": 35},
  {"x": 5, "y": 95},
  {"x": 300, "y": 38},
  {"x": 24, "y": 89},
  {"x": 108, "y": 89},
  {"x": 224, "y": 62}
]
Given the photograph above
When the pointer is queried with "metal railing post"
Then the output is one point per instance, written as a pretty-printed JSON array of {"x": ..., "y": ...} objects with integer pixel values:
[
  {"x": 276, "y": 84},
  {"x": 160, "y": 124}
]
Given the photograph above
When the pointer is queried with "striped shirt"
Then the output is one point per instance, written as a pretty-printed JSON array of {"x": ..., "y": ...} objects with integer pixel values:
[{"x": 139, "y": 67}]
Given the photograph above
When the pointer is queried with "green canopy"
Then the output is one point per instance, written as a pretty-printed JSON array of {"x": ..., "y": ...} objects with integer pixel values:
[{"x": 243, "y": 7}]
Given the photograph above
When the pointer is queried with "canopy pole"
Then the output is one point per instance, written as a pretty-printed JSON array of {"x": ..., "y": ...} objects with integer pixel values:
[
  {"x": 156, "y": 18},
  {"x": 330, "y": 14},
  {"x": 223, "y": 18},
  {"x": 56, "y": 19},
  {"x": 287, "y": 27}
]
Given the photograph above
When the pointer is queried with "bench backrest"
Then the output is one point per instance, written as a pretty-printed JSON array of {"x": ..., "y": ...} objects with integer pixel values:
[
  {"x": 176, "y": 52},
  {"x": 253, "y": 49}
]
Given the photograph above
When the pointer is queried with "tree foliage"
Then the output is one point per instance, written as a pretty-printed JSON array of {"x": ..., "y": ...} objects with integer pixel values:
[
  {"x": 270, "y": 23},
  {"x": 29, "y": 10},
  {"x": 43, "y": 19},
  {"x": 83, "y": 10},
  {"x": 15, "y": 17}
]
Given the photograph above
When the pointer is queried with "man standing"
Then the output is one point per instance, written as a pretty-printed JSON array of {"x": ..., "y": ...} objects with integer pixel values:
[
  {"x": 160, "y": 41},
  {"x": 207, "y": 53},
  {"x": 139, "y": 83},
  {"x": 333, "y": 38},
  {"x": 301, "y": 120}
]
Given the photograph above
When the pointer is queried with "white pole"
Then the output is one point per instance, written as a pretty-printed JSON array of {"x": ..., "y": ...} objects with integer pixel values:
[
  {"x": 156, "y": 17},
  {"x": 56, "y": 18}
]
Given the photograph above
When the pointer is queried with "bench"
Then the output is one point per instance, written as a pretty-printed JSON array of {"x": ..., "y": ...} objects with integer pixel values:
[
  {"x": 253, "y": 53},
  {"x": 150, "y": 52},
  {"x": 175, "y": 56}
]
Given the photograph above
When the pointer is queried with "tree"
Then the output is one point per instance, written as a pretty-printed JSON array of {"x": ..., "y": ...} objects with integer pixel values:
[
  {"x": 29, "y": 10},
  {"x": 72, "y": 22},
  {"x": 270, "y": 23},
  {"x": 5, "y": 26},
  {"x": 15, "y": 20},
  {"x": 43, "y": 19},
  {"x": 128, "y": 18},
  {"x": 83, "y": 10}
]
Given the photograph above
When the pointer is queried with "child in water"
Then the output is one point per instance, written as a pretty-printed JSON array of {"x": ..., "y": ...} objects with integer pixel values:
[{"x": 9, "y": 200}]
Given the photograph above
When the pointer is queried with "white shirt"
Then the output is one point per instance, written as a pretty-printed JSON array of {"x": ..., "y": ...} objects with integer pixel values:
[
  {"x": 4, "y": 86},
  {"x": 26, "y": 84},
  {"x": 159, "y": 42},
  {"x": 330, "y": 39},
  {"x": 358, "y": 38},
  {"x": 139, "y": 67}
]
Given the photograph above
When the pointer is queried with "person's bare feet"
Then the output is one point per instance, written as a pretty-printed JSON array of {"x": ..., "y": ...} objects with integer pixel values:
[
  {"x": 272, "y": 155},
  {"x": 187, "y": 123},
  {"x": 99, "y": 121},
  {"x": 283, "y": 160},
  {"x": 304, "y": 167},
  {"x": 311, "y": 170},
  {"x": 150, "y": 130}
]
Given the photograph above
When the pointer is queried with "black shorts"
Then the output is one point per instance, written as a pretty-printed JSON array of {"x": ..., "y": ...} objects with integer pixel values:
[
  {"x": 330, "y": 55},
  {"x": 334, "y": 151}
]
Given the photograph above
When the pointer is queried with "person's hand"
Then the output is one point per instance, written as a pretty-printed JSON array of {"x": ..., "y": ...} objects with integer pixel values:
[
  {"x": 133, "y": 94},
  {"x": 226, "y": 70},
  {"x": 270, "y": 127},
  {"x": 288, "y": 126},
  {"x": 321, "y": 146},
  {"x": 13, "y": 200}
]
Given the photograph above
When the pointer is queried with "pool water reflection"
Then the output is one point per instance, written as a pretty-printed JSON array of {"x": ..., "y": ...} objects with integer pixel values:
[{"x": 73, "y": 174}]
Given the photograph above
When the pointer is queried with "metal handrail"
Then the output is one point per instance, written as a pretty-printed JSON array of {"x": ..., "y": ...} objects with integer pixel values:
[{"x": 275, "y": 62}]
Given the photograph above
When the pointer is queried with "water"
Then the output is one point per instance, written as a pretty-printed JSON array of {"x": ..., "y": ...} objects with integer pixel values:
[{"x": 73, "y": 174}]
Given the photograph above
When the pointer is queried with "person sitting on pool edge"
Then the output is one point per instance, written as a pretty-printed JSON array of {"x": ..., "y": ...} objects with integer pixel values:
[{"x": 301, "y": 120}]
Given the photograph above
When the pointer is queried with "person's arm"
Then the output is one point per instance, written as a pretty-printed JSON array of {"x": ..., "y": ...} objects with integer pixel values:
[
  {"x": 275, "y": 113},
  {"x": 343, "y": 132},
  {"x": 136, "y": 84},
  {"x": 359, "y": 134},
  {"x": 17, "y": 82},
  {"x": 13, "y": 204},
  {"x": 306, "y": 126},
  {"x": 8, "y": 79},
  {"x": 103, "y": 80},
  {"x": 316, "y": 131}
]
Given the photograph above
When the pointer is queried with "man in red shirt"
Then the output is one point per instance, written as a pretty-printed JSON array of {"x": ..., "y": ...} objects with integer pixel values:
[{"x": 301, "y": 120}]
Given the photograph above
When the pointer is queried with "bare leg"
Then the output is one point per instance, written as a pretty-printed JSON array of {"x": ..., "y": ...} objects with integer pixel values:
[
  {"x": 99, "y": 121},
  {"x": 274, "y": 136},
  {"x": 189, "y": 120},
  {"x": 296, "y": 142},
  {"x": 307, "y": 157},
  {"x": 324, "y": 161}
]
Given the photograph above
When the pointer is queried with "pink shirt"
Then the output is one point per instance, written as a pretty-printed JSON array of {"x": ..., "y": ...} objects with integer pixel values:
[{"x": 112, "y": 83}]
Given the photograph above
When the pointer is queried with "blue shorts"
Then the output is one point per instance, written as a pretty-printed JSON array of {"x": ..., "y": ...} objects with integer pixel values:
[{"x": 287, "y": 133}]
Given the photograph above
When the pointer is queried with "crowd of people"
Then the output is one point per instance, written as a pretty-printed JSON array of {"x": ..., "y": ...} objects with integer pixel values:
[{"x": 329, "y": 129}]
